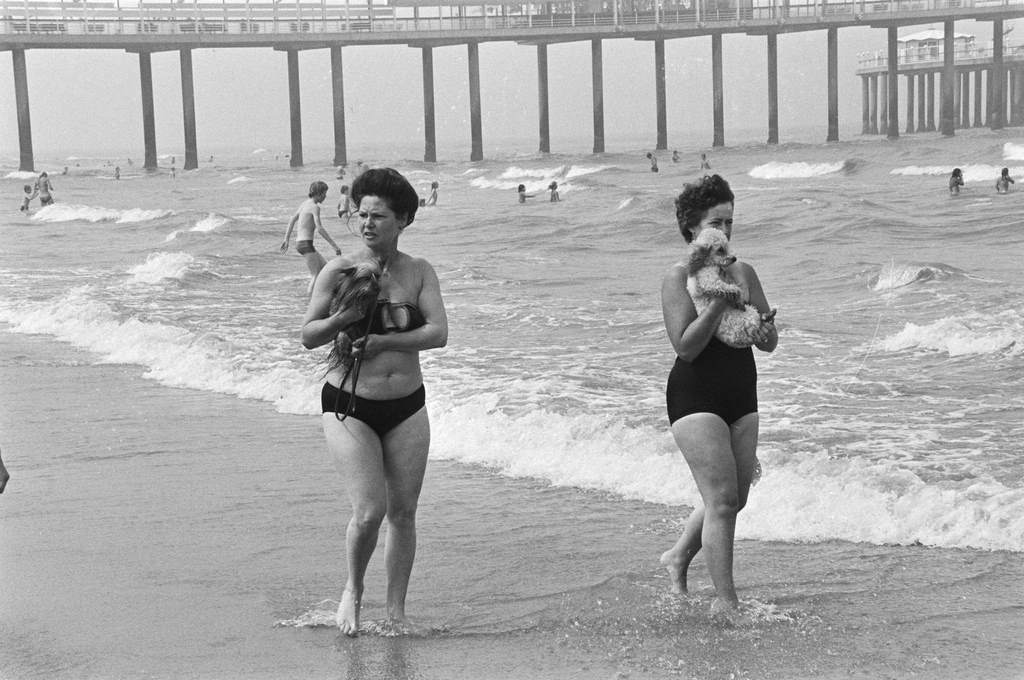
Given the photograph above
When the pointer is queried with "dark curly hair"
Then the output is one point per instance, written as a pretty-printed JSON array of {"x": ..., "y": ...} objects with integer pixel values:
[
  {"x": 390, "y": 186},
  {"x": 697, "y": 198}
]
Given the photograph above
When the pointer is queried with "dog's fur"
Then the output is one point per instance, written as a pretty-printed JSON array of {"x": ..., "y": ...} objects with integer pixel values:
[
  {"x": 708, "y": 278},
  {"x": 358, "y": 287}
]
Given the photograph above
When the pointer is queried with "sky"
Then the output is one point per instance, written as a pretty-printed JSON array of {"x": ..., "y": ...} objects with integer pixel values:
[{"x": 89, "y": 101}]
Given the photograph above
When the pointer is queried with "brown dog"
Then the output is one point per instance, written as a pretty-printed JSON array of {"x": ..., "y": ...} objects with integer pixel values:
[{"x": 358, "y": 288}]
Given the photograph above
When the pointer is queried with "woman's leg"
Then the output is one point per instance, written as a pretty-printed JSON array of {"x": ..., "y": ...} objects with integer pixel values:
[
  {"x": 706, "y": 443},
  {"x": 356, "y": 452},
  {"x": 405, "y": 462},
  {"x": 743, "y": 434},
  {"x": 677, "y": 558}
]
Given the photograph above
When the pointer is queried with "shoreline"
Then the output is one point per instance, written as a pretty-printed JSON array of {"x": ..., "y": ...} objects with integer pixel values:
[{"x": 163, "y": 532}]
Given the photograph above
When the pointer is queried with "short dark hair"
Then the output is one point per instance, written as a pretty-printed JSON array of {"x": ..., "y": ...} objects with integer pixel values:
[
  {"x": 699, "y": 197},
  {"x": 389, "y": 185},
  {"x": 317, "y": 187}
]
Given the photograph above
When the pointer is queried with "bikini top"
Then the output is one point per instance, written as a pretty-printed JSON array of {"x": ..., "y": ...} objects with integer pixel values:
[{"x": 396, "y": 317}]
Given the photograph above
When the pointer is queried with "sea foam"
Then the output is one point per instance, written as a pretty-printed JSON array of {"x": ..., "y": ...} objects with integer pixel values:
[
  {"x": 160, "y": 266},
  {"x": 70, "y": 212},
  {"x": 795, "y": 170},
  {"x": 972, "y": 334}
]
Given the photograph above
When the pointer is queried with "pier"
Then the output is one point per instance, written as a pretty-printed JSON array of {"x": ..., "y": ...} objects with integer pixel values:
[
  {"x": 145, "y": 27},
  {"x": 985, "y": 82}
]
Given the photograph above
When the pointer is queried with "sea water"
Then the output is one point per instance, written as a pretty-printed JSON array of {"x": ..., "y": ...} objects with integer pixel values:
[{"x": 892, "y": 412}]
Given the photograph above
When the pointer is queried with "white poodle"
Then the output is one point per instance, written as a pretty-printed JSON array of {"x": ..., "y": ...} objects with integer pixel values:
[{"x": 709, "y": 278}]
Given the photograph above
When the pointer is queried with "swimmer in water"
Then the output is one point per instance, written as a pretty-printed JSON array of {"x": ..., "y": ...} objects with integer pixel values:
[
  {"x": 1004, "y": 182},
  {"x": 956, "y": 180}
]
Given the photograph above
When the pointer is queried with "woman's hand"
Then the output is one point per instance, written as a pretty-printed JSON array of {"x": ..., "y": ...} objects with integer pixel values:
[
  {"x": 766, "y": 332},
  {"x": 284, "y": 247},
  {"x": 368, "y": 346}
]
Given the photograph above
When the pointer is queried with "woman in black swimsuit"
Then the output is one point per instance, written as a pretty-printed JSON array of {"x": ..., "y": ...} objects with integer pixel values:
[
  {"x": 381, "y": 447},
  {"x": 712, "y": 398}
]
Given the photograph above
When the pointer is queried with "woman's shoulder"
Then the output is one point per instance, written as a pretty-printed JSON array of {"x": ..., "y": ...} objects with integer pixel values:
[{"x": 676, "y": 270}]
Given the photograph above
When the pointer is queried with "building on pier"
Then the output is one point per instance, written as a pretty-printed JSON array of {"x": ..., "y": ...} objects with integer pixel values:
[{"x": 921, "y": 58}]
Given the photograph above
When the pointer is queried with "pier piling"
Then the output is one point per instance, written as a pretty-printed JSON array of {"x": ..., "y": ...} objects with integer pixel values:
[
  {"x": 338, "y": 101},
  {"x": 25, "y": 162},
  {"x": 188, "y": 109},
  {"x": 148, "y": 120}
]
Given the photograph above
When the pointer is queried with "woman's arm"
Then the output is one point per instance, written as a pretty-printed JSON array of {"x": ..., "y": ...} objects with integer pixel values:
[
  {"x": 766, "y": 338},
  {"x": 688, "y": 331},
  {"x": 319, "y": 326},
  {"x": 431, "y": 335}
]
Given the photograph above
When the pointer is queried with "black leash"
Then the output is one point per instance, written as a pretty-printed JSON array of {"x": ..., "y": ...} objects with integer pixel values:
[{"x": 353, "y": 370}]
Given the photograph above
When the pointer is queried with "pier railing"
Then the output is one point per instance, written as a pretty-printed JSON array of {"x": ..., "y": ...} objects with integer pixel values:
[
  {"x": 239, "y": 17},
  {"x": 934, "y": 56}
]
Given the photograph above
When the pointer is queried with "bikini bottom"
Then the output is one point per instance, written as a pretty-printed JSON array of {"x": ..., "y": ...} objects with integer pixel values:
[{"x": 382, "y": 415}]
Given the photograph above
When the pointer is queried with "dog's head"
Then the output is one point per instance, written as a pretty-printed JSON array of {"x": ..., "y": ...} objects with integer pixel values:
[
  {"x": 710, "y": 248},
  {"x": 358, "y": 287}
]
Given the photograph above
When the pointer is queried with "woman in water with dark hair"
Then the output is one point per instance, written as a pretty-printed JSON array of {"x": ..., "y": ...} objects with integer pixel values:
[
  {"x": 377, "y": 429},
  {"x": 712, "y": 397}
]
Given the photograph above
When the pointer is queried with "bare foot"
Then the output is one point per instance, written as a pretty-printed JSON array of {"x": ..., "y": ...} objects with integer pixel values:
[
  {"x": 725, "y": 610},
  {"x": 676, "y": 569},
  {"x": 348, "y": 612}
]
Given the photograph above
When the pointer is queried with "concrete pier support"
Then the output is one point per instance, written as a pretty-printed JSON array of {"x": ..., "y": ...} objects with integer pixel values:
[
  {"x": 475, "y": 118},
  {"x": 295, "y": 109},
  {"x": 597, "y": 83},
  {"x": 965, "y": 99},
  {"x": 946, "y": 111},
  {"x": 338, "y": 95},
  {"x": 659, "y": 94},
  {"x": 873, "y": 104},
  {"x": 26, "y": 163},
  {"x": 883, "y": 104},
  {"x": 931, "y": 102},
  {"x": 893, "y": 127},
  {"x": 910, "y": 104},
  {"x": 998, "y": 82},
  {"x": 429, "y": 125},
  {"x": 148, "y": 120},
  {"x": 773, "y": 88},
  {"x": 922, "y": 96},
  {"x": 542, "y": 98},
  {"x": 1017, "y": 101},
  {"x": 717, "y": 95},
  {"x": 865, "y": 108},
  {"x": 956, "y": 100},
  {"x": 979, "y": 120},
  {"x": 833, "y": 85},
  {"x": 188, "y": 108}
]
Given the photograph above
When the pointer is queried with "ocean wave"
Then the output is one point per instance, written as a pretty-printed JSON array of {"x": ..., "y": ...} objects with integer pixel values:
[
  {"x": 971, "y": 172},
  {"x": 1013, "y": 152},
  {"x": 799, "y": 497},
  {"x": 171, "y": 355},
  {"x": 961, "y": 336},
  {"x": 21, "y": 174},
  {"x": 70, "y": 212},
  {"x": 818, "y": 497},
  {"x": 210, "y": 222},
  {"x": 898, "y": 275},
  {"x": 160, "y": 266},
  {"x": 240, "y": 178},
  {"x": 796, "y": 170}
]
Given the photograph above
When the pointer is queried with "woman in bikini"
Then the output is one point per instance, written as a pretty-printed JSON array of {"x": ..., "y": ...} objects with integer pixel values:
[
  {"x": 712, "y": 398},
  {"x": 307, "y": 219},
  {"x": 377, "y": 429}
]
